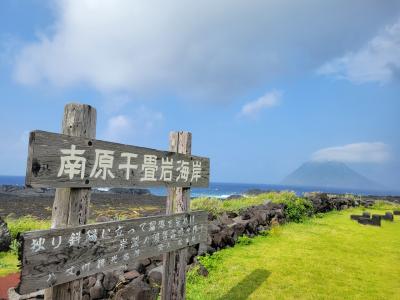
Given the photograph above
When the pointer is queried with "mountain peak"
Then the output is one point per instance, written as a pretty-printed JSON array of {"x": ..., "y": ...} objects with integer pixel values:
[{"x": 329, "y": 174}]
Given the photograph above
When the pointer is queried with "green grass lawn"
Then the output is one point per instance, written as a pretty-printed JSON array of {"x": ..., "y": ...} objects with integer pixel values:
[{"x": 331, "y": 257}]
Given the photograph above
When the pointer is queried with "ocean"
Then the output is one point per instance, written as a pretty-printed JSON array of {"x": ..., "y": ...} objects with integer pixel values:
[{"x": 224, "y": 189}]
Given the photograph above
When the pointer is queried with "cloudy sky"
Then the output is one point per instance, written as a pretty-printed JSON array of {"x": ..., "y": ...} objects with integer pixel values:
[{"x": 263, "y": 85}]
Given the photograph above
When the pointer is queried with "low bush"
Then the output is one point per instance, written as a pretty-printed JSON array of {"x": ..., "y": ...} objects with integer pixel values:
[
  {"x": 298, "y": 210},
  {"x": 385, "y": 205},
  {"x": 212, "y": 205},
  {"x": 217, "y": 205},
  {"x": 14, "y": 247},
  {"x": 211, "y": 262},
  {"x": 24, "y": 224},
  {"x": 244, "y": 240}
]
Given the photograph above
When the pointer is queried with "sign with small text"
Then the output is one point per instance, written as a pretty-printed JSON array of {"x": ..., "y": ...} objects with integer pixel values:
[{"x": 55, "y": 256}]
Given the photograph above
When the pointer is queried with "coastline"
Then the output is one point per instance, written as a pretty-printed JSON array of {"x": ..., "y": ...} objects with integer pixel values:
[{"x": 18, "y": 201}]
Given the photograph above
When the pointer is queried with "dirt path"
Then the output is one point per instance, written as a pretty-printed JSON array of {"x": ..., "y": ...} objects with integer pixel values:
[{"x": 6, "y": 282}]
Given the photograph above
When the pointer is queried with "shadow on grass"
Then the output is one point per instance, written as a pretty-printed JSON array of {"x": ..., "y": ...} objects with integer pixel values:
[{"x": 247, "y": 286}]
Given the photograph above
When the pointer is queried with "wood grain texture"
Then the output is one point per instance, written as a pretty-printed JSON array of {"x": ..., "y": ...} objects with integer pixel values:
[
  {"x": 47, "y": 165},
  {"x": 55, "y": 256},
  {"x": 174, "y": 262},
  {"x": 71, "y": 206}
]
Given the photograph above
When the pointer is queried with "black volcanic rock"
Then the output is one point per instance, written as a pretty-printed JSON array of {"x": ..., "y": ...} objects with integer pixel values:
[
  {"x": 5, "y": 236},
  {"x": 129, "y": 191},
  {"x": 255, "y": 192}
]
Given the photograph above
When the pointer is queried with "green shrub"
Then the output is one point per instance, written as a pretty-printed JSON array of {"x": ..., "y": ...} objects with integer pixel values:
[
  {"x": 24, "y": 224},
  {"x": 281, "y": 197},
  {"x": 212, "y": 205},
  {"x": 244, "y": 240},
  {"x": 385, "y": 205},
  {"x": 235, "y": 205},
  {"x": 210, "y": 262},
  {"x": 298, "y": 209},
  {"x": 14, "y": 247},
  {"x": 192, "y": 275},
  {"x": 217, "y": 206},
  {"x": 263, "y": 232}
]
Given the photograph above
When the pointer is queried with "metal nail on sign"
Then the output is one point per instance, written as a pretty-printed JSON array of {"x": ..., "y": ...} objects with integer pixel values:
[{"x": 57, "y": 160}]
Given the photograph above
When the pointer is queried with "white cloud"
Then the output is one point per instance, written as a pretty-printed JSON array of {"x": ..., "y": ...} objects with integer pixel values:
[
  {"x": 252, "y": 109},
  {"x": 202, "y": 49},
  {"x": 121, "y": 128},
  {"x": 359, "y": 152},
  {"x": 378, "y": 61},
  {"x": 118, "y": 127}
]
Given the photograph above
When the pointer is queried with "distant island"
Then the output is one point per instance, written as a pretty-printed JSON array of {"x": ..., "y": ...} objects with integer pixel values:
[{"x": 329, "y": 174}]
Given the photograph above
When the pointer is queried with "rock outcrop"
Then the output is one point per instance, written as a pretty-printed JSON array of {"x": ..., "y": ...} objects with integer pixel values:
[{"x": 5, "y": 236}]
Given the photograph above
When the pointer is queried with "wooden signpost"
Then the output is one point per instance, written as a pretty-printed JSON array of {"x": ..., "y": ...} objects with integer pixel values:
[
  {"x": 56, "y": 256},
  {"x": 73, "y": 162},
  {"x": 58, "y": 160}
]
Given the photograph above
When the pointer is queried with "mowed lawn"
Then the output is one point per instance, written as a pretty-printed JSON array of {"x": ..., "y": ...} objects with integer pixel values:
[{"x": 331, "y": 257}]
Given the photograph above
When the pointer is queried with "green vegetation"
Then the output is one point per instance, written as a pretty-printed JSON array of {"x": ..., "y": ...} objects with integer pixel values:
[
  {"x": 24, "y": 224},
  {"x": 322, "y": 258},
  {"x": 217, "y": 206},
  {"x": 8, "y": 263},
  {"x": 385, "y": 205},
  {"x": 244, "y": 240},
  {"x": 296, "y": 209},
  {"x": 9, "y": 260}
]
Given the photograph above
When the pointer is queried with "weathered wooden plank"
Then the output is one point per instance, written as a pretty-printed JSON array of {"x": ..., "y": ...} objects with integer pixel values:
[
  {"x": 55, "y": 256},
  {"x": 71, "y": 206},
  {"x": 57, "y": 160},
  {"x": 174, "y": 262}
]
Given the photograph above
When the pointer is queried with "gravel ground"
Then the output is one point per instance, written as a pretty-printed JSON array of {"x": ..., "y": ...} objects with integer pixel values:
[{"x": 112, "y": 205}]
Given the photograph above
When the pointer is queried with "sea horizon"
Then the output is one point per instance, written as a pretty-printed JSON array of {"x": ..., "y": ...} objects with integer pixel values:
[{"x": 225, "y": 189}]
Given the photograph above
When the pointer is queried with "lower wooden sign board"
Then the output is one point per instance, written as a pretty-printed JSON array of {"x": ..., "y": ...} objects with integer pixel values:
[{"x": 55, "y": 256}]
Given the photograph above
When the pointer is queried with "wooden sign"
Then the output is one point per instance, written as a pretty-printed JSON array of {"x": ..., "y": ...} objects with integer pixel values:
[
  {"x": 52, "y": 257},
  {"x": 57, "y": 160}
]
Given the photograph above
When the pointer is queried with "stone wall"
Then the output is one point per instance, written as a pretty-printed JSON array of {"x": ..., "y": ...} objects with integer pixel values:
[{"x": 143, "y": 280}]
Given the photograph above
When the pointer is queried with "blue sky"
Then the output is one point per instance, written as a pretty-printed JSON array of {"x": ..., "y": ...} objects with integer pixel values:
[{"x": 263, "y": 86}]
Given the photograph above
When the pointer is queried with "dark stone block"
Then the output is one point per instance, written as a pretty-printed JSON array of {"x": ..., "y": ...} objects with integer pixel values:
[
  {"x": 110, "y": 280},
  {"x": 155, "y": 276},
  {"x": 366, "y": 214},
  {"x": 202, "y": 271},
  {"x": 376, "y": 220},
  {"x": 396, "y": 212},
  {"x": 368, "y": 221},
  {"x": 388, "y": 216},
  {"x": 137, "y": 289},
  {"x": 234, "y": 197},
  {"x": 355, "y": 217},
  {"x": 130, "y": 275},
  {"x": 377, "y": 216}
]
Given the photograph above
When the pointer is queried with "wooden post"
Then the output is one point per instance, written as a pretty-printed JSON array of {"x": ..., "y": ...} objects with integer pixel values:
[
  {"x": 178, "y": 200},
  {"x": 71, "y": 205}
]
